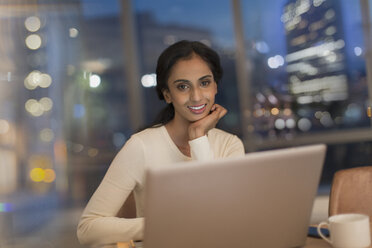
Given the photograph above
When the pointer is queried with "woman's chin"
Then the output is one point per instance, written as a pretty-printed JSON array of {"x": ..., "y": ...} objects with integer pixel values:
[{"x": 197, "y": 118}]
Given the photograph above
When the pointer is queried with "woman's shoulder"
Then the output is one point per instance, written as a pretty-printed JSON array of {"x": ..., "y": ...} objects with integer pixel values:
[
  {"x": 148, "y": 134},
  {"x": 216, "y": 132},
  {"x": 219, "y": 135},
  {"x": 225, "y": 144},
  {"x": 144, "y": 139}
]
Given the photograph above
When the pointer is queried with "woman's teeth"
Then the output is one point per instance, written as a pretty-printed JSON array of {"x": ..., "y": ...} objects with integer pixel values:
[{"x": 197, "y": 107}]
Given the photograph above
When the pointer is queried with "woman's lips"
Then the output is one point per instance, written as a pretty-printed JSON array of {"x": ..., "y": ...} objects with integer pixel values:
[{"x": 197, "y": 109}]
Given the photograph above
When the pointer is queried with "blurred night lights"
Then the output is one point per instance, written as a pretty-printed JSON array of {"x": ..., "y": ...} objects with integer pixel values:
[
  {"x": 94, "y": 81},
  {"x": 358, "y": 51},
  {"x": 275, "y": 62},
  {"x": 36, "y": 78},
  {"x": 148, "y": 80},
  {"x": 73, "y": 32},
  {"x": 32, "y": 23},
  {"x": 279, "y": 124},
  {"x": 46, "y": 135},
  {"x": 42, "y": 175},
  {"x": 37, "y": 108},
  {"x": 5, "y": 207},
  {"x": 304, "y": 124},
  {"x": 4, "y": 126},
  {"x": 33, "y": 41}
]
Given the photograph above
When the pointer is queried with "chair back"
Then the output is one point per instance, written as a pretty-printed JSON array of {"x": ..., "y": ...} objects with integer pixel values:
[
  {"x": 351, "y": 191},
  {"x": 128, "y": 210}
]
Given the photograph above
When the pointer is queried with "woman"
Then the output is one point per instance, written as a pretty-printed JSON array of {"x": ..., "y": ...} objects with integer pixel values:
[{"x": 187, "y": 76}]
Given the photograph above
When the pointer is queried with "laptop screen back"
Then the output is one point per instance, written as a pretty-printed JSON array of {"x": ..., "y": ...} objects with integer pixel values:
[{"x": 263, "y": 199}]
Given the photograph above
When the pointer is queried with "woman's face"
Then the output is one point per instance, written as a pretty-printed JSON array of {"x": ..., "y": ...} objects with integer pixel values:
[{"x": 191, "y": 89}]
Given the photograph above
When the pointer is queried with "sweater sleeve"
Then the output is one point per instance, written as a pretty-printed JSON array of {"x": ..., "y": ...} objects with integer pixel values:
[
  {"x": 99, "y": 224},
  {"x": 201, "y": 149},
  {"x": 234, "y": 147}
]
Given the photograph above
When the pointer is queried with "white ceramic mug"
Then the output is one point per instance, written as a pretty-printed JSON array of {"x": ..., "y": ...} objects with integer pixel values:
[{"x": 347, "y": 231}]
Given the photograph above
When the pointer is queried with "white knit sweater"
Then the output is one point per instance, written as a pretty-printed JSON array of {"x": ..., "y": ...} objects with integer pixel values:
[{"x": 150, "y": 148}]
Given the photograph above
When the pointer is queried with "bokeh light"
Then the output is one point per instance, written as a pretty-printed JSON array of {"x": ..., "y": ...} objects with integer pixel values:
[
  {"x": 34, "y": 107},
  {"x": 358, "y": 51},
  {"x": 290, "y": 123},
  {"x": 94, "y": 81},
  {"x": 275, "y": 61},
  {"x": 36, "y": 78},
  {"x": 33, "y": 23},
  {"x": 49, "y": 175},
  {"x": 38, "y": 108},
  {"x": 304, "y": 124},
  {"x": 4, "y": 126},
  {"x": 33, "y": 41},
  {"x": 287, "y": 111},
  {"x": 45, "y": 80},
  {"x": 42, "y": 175},
  {"x": 279, "y": 124},
  {"x": 32, "y": 80},
  {"x": 274, "y": 111},
  {"x": 46, "y": 135},
  {"x": 77, "y": 148},
  {"x": 37, "y": 174},
  {"x": 148, "y": 80},
  {"x": 46, "y": 103},
  {"x": 73, "y": 32},
  {"x": 5, "y": 207},
  {"x": 92, "y": 152}
]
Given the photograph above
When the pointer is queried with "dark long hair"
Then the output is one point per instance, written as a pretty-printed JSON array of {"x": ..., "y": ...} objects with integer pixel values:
[{"x": 181, "y": 50}]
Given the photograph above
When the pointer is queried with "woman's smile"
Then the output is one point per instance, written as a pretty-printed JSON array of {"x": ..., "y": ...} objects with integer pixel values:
[{"x": 197, "y": 109}]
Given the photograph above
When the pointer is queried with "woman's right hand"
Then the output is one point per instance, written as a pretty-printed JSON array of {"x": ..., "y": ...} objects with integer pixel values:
[{"x": 201, "y": 127}]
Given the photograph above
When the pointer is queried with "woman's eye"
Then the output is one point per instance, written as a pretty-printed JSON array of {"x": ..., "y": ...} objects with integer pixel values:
[
  {"x": 182, "y": 87},
  {"x": 205, "y": 83}
]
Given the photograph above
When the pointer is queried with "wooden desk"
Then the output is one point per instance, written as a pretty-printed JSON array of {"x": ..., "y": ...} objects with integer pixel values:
[
  {"x": 316, "y": 243},
  {"x": 310, "y": 243}
]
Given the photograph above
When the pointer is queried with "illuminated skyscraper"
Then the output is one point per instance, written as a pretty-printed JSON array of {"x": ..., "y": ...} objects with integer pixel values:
[{"x": 316, "y": 59}]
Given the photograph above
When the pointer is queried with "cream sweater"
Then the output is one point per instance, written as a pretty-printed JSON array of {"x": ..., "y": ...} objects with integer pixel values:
[{"x": 152, "y": 147}]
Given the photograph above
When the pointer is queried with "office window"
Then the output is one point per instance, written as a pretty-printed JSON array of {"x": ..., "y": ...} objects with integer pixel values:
[
  {"x": 307, "y": 67},
  {"x": 63, "y": 106},
  {"x": 164, "y": 22}
]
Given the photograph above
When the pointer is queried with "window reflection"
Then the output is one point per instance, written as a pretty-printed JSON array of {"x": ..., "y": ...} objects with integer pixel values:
[
  {"x": 63, "y": 112},
  {"x": 323, "y": 77}
]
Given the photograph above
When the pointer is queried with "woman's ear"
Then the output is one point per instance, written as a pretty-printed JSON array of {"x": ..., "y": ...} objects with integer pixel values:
[{"x": 167, "y": 96}]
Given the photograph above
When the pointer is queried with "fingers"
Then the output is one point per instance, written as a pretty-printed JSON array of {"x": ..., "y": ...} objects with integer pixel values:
[
  {"x": 219, "y": 110},
  {"x": 202, "y": 126}
]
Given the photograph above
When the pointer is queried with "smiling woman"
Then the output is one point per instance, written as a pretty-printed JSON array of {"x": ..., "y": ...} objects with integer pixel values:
[
  {"x": 187, "y": 77},
  {"x": 193, "y": 88}
]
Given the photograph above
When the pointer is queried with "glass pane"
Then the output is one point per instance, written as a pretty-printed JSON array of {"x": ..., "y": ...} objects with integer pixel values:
[
  {"x": 164, "y": 22},
  {"x": 63, "y": 114},
  {"x": 308, "y": 67}
]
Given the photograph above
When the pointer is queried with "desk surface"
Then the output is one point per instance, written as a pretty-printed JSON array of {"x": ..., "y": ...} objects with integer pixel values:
[
  {"x": 316, "y": 243},
  {"x": 310, "y": 243}
]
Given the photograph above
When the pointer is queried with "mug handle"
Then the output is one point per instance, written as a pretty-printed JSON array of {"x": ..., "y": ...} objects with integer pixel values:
[{"x": 320, "y": 231}]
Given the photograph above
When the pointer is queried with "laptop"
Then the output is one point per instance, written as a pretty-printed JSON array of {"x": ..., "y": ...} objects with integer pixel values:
[{"x": 263, "y": 199}]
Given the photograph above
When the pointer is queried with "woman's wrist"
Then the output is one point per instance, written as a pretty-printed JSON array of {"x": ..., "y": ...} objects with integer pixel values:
[{"x": 195, "y": 133}]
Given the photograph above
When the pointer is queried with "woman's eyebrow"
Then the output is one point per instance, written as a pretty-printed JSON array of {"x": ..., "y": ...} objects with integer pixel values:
[
  {"x": 188, "y": 81},
  {"x": 205, "y": 77},
  {"x": 181, "y": 81}
]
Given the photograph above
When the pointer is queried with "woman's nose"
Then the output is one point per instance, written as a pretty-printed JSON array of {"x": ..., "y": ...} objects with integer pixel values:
[{"x": 196, "y": 94}]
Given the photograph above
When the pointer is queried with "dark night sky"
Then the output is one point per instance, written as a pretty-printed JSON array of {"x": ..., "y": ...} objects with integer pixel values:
[{"x": 261, "y": 18}]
